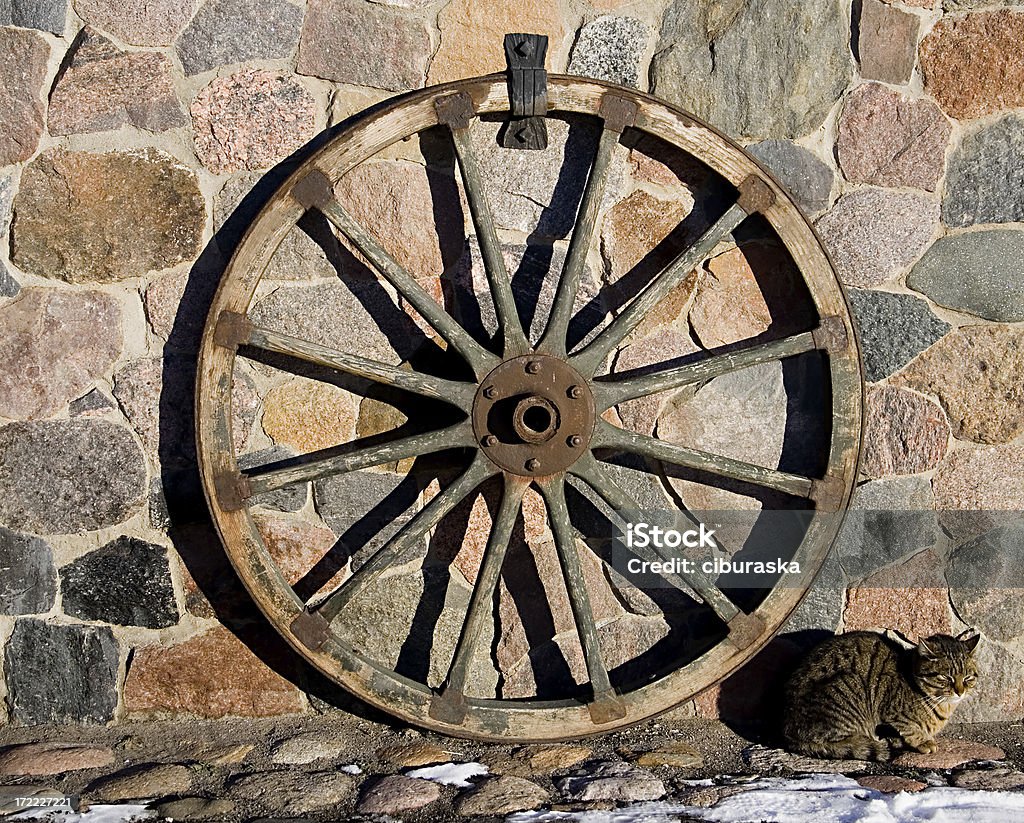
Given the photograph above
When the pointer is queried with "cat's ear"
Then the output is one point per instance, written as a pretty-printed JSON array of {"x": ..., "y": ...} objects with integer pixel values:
[
  {"x": 926, "y": 650},
  {"x": 970, "y": 639}
]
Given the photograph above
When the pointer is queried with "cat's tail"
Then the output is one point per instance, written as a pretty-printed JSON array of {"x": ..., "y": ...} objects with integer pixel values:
[{"x": 854, "y": 747}]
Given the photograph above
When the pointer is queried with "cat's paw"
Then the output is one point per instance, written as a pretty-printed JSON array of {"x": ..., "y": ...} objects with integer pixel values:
[{"x": 927, "y": 747}]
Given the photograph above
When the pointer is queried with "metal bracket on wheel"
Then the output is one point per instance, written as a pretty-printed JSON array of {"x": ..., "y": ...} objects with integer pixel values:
[{"x": 527, "y": 92}]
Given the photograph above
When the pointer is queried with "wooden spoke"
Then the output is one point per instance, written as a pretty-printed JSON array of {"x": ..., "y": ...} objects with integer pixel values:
[
  {"x": 406, "y": 538},
  {"x": 612, "y": 392},
  {"x": 481, "y": 360},
  {"x": 259, "y": 481},
  {"x": 606, "y": 705},
  {"x": 451, "y": 697},
  {"x": 611, "y": 436},
  {"x": 594, "y": 353},
  {"x": 554, "y": 340},
  {"x": 514, "y": 338},
  {"x": 456, "y": 393},
  {"x": 591, "y": 472}
]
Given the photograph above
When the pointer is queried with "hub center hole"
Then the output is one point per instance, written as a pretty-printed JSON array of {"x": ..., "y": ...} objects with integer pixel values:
[{"x": 537, "y": 419}]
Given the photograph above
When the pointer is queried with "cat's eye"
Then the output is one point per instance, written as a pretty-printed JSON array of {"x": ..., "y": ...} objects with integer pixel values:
[{"x": 969, "y": 680}]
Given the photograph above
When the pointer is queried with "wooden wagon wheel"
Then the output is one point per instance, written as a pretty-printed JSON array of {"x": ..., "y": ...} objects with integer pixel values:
[{"x": 530, "y": 415}]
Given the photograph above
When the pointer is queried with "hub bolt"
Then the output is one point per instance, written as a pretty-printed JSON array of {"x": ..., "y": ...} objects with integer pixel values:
[
  {"x": 575, "y": 392},
  {"x": 490, "y": 392},
  {"x": 534, "y": 367},
  {"x": 532, "y": 464},
  {"x": 575, "y": 441},
  {"x": 490, "y": 440}
]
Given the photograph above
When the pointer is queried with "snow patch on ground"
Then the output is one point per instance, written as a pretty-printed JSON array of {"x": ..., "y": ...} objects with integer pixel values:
[
  {"x": 351, "y": 768},
  {"x": 121, "y": 813},
  {"x": 813, "y": 799},
  {"x": 450, "y": 774}
]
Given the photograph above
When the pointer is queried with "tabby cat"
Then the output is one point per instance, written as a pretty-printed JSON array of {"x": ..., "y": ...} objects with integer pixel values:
[{"x": 862, "y": 694}]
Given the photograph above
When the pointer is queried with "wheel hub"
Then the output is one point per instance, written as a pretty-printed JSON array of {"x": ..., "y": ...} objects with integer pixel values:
[{"x": 534, "y": 415}]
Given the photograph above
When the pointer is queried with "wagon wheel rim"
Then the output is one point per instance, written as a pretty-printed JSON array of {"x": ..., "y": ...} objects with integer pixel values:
[{"x": 566, "y": 443}]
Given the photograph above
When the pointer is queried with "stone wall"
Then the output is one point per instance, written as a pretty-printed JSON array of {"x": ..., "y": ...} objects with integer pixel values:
[{"x": 136, "y": 138}]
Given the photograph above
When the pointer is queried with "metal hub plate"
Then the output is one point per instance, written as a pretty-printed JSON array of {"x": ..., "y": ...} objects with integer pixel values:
[{"x": 534, "y": 415}]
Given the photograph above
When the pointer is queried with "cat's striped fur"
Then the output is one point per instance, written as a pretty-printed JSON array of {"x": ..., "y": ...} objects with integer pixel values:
[{"x": 862, "y": 694}]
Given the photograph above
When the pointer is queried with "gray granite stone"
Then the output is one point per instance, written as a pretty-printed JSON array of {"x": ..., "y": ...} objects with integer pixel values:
[
  {"x": 807, "y": 178},
  {"x": 364, "y": 507},
  {"x": 90, "y": 404},
  {"x": 978, "y": 272},
  {"x": 610, "y": 48},
  {"x": 28, "y": 583},
  {"x": 357, "y": 315},
  {"x": 45, "y": 15},
  {"x": 234, "y": 31},
  {"x": 9, "y": 287},
  {"x": 985, "y": 580},
  {"x": 888, "y": 520},
  {"x": 873, "y": 233},
  {"x": 985, "y": 180},
  {"x": 737, "y": 65},
  {"x": 65, "y": 476},
  {"x": 894, "y": 329},
  {"x": 535, "y": 271},
  {"x": 822, "y": 605},
  {"x": 126, "y": 582},
  {"x": 60, "y": 673}
]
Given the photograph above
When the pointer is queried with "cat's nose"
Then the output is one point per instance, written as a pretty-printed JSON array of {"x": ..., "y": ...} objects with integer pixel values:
[{"x": 959, "y": 688}]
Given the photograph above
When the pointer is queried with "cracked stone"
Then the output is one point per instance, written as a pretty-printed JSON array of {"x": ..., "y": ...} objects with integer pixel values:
[
  {"x": 252, "y": 119},
  {"x": 56, "y": 345},
  {"x": 724, "y": 64},
  {"x": 99, "y": 90},
  {"x": 887, "y": 139},
  {"x": 87, "y": 659},
  {"x": 29, "y": 581}
]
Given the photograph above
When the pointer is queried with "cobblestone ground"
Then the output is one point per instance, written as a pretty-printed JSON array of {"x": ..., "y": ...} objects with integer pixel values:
[{"x": 341, "y": 767}]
